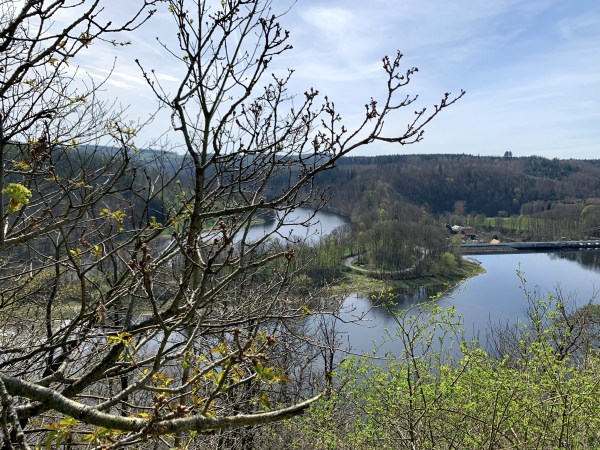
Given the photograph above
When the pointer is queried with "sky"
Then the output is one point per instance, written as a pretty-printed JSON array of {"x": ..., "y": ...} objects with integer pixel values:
[{"x": 531, "y": 68}]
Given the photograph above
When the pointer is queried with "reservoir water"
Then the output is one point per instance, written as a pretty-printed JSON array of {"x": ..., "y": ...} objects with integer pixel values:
[
  {"x": 303, "y": 223},
  {"x": 496, "y": 297}
]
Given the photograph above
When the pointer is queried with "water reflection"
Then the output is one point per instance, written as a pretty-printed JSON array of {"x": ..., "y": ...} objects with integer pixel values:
[
  {"x": 495, "y": 298},
  {"x": 587, "y": 258},
  {"x": 405, "y": 298}
]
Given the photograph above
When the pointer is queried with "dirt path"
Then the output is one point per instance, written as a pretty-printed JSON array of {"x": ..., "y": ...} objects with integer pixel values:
[{"x": 349, "y": 262}]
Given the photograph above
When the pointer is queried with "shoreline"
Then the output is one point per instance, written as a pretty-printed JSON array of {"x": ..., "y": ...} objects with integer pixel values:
[{"x": 362, "y": 282}]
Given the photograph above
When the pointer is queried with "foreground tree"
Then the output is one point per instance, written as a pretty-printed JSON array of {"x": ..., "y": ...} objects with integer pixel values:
[
  {"x": 437, "y": 391},
  {"x": 136, "y": 305}
]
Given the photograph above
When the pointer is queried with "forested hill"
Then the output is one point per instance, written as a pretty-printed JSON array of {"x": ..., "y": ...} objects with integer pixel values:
[{"x": 463, "y": 184}]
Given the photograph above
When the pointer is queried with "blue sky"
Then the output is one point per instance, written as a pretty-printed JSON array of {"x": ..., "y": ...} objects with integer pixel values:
[{"x": 530, "y": 68}]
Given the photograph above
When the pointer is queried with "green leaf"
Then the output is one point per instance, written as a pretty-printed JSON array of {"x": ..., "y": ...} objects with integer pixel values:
[
  {"x": 264, "y": 400},
  {"x": 18, "y": 195}
]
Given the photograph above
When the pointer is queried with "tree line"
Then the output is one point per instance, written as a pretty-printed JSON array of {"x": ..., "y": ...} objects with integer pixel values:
[
  {"x": 527, "y": 198},
  {"x": 493, "y": 186}
]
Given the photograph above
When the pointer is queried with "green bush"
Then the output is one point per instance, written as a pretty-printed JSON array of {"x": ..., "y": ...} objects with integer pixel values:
[{"x": 427, "y": 397}]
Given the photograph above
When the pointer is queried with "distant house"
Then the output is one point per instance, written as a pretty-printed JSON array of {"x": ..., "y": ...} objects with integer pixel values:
[{"x": 469, "y": 233}]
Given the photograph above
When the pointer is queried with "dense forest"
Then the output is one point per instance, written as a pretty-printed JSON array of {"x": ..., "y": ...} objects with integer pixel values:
[
  {"x": 399, "y": 205},
  {"x": 403, "y": 203},
  {"x": 464, "y": 184}
]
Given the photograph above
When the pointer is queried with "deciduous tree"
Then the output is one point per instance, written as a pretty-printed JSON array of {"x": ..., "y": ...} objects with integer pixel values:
[{"x": 135, "y": 305}]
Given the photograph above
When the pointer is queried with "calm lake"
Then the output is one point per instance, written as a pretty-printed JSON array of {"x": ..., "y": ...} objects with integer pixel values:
[
  {"x": 495, "y": 297},
  {"x": 318, "y": 224}
]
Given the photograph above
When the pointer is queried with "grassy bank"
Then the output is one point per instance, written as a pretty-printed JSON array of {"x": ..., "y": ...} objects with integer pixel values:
[{"x": 359, "y": 282}]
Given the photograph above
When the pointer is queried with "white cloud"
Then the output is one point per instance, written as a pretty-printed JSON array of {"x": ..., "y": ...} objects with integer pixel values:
[
  {"x": 329, "y": 20},
  {"x": 167, "y": 77},
  {"x": 529, "y": 67}
]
